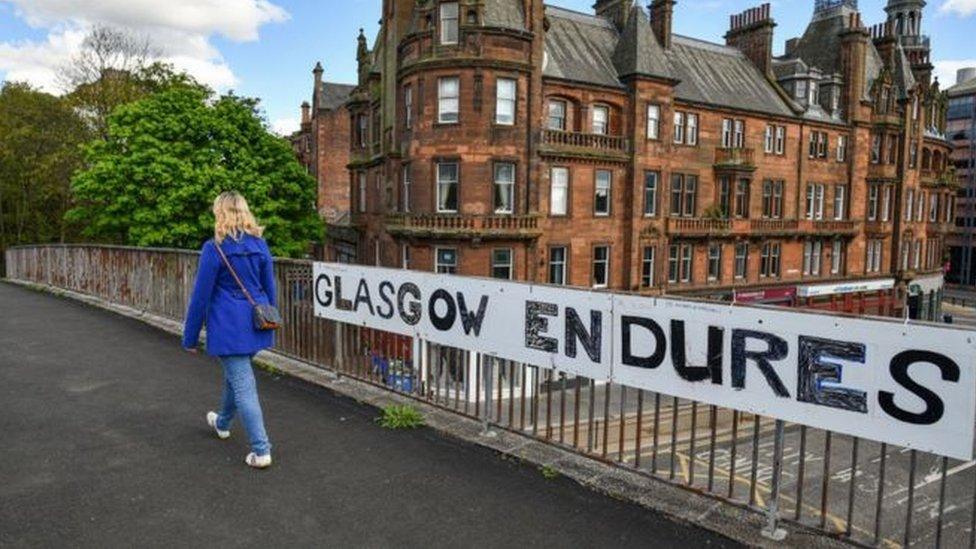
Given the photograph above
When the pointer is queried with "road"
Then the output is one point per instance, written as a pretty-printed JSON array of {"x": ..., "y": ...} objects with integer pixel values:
[{"x": 104, "y": 445}]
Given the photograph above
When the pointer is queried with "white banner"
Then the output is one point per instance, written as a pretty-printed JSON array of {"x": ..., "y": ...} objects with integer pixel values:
[{"x": 904, "y": 384}]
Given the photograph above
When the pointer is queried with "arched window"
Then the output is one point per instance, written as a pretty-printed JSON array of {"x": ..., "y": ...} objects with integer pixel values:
[
  {"x": 926, "y": 159},
  {"x": 911, "y": 23}
]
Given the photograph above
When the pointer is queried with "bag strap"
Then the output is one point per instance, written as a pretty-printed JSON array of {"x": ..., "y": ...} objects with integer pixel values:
[{"x": 233, "y": 273}]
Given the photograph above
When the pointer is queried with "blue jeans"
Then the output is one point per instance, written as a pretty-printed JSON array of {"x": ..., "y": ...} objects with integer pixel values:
[{"x": 241, "y": 395}]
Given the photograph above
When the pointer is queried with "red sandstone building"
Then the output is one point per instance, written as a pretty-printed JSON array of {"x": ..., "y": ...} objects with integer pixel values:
[{"x": 511, "y": 139}]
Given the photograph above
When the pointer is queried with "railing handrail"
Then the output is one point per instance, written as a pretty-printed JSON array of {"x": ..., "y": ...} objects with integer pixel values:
[{"x": 157, "y": 281}]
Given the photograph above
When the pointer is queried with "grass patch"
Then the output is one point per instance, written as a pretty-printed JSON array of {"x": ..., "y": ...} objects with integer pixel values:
[
  {"x": 549, "y": 473},
  {"x": 268, "y": 367},
  {"x": 398, "y": 417}
]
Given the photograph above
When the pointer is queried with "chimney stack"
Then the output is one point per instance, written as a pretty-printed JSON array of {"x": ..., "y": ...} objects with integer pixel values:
[
  {"x": 751, "y": 32},
  {"x": 316, "y": 90},
  {"x": 662, "y": 18},
  {"x": 306, "y": 113}
]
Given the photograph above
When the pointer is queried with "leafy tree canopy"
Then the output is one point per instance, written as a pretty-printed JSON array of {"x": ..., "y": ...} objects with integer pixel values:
[
  {"x": 40, "y": 147},
  {"x": 152, "y": 181}
]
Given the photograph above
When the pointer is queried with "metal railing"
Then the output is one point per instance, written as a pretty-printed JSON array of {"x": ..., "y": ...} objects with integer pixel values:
[{"x": 857, "y": 490}]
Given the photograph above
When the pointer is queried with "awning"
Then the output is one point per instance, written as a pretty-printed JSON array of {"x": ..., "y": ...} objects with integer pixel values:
[{"x": 850, "y": 287}]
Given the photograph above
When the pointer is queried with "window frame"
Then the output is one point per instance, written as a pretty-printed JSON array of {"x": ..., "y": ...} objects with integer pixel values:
[
  {"x": 496, "y": 184},
  {"x": 678, "y": 128},
  {"x": 691, "y": 129},
  {"x": 874, "y": 197},
  {"x": 837, "y": 257},
  {"x": 770, "y": 256},
  {"x": 651, "y": 193},
  {"x": 406, "y": 181},
  {"x": 742, "y": 202},
  {"x": 714, "y": 262},
  {"x": 562, "y": 265},
  {"x": 606, "y": 121},
  {"x": 512, "y": 101},
  {"x": 444, "y": 21},
  {"x": 648, "y": 266},
  {"x": 495, "y": 265},
  {"x": 439, "y": 183},
  {"x": 408, "y": 106},
  {"x": 594, "y": 261},
  {"x": 781, "y": 140},
  {"x": 437, "y": 260},
  {"x": 653, "y": 122},
  {"x": 608, "y": 189},
  {"x": 565, "y": 186},
  {"x": 840, "y": 202},
  {"x": 443, "y": 100},
  {"x": 740, "y": 263},
  {"x": 563, "y": 119}
]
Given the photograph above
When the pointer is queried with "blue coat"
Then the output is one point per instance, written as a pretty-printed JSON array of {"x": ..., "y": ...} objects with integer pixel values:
[{"x": 219, "y": 301}]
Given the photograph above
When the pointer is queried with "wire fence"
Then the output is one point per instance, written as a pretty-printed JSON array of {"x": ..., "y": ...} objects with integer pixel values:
[{"x": 858, "y": 490}]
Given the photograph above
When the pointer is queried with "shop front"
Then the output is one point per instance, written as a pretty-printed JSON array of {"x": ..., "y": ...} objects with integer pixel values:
[
  {"x": 863, "y": 297},
  {"x": 784, "y": 297}
]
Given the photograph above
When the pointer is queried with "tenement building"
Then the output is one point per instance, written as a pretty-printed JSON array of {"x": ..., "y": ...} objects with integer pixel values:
[
  {"x": 516, "y": 140},
  {"x": 322, "y": 146},
  {"x": 962, "y": 132}
]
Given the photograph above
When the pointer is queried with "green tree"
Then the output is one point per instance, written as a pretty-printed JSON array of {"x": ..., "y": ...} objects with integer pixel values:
[
  {"x": 40, "y": 149},
  {"x": 152, "y": 181}
]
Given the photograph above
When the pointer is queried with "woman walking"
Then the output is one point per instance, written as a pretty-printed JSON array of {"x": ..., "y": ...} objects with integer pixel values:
[{"x": 235, "y": 279}]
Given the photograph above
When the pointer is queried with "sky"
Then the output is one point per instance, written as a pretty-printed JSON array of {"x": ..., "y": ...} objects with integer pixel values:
[{"x": 267, "y": 48}]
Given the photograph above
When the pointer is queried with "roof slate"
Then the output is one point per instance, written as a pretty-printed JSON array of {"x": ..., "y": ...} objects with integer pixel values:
[
  {"x": 720, "y": 75},
  {"x": 334, "y": 95},
  {"x": 587, "y": 48},
  {"x": 820, "y": 46},
  {"x": 637, "y": 50},
  {"x": 580, "y": 47}
]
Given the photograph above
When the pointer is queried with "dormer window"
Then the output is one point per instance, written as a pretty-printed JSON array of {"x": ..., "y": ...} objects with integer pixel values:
[
  {"x": 814, "y": 94},
  {"x": 801, "y": 89},
  {"x": 449, "y": 23}
]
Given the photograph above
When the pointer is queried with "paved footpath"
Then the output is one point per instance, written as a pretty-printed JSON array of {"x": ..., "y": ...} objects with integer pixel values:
[{"x": 103, "y": 444}]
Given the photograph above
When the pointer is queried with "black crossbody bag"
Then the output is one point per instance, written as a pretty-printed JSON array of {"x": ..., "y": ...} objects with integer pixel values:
[{"x": 266, "y": 317}]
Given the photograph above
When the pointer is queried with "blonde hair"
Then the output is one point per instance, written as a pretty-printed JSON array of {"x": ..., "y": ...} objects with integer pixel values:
[{"x": 232, "y": 217}]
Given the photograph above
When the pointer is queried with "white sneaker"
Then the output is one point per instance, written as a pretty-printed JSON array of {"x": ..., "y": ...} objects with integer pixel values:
[
  {"x": 258, "y": 462},
  {"x": 212, "y": 422}
]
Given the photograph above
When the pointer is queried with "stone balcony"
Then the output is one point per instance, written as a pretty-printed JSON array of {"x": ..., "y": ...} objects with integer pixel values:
[
  {"x": 943, "y": 178},
  {"x": 735, "y": 159},
  {"x": 771, "y": 227},
  {"x": 692, "y": 227},
  {"x": 584, "y": 145},
  {"x": 456, "y": 226}
]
